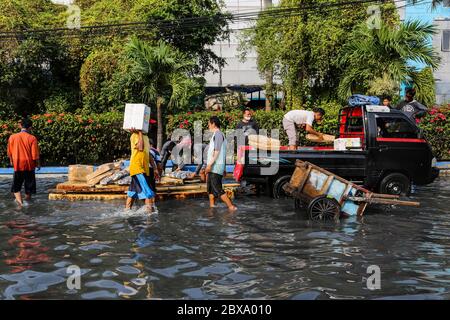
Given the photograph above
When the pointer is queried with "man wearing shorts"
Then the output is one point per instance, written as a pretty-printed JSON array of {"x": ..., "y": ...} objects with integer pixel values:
[
  {"x": 23, "y": 153},
  {"x": 215, "y": 168},
  {"x": 301, "y": 118}
]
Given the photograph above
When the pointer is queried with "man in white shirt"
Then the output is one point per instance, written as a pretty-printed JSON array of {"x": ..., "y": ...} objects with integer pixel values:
[{"x": 304, "y": 119}]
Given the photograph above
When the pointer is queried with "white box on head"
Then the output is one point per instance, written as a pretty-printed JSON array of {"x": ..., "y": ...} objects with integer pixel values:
[{"x": 137, "y": 116}]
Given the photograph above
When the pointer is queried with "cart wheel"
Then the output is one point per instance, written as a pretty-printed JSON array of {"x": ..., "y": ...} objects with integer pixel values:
[
  {"x": 277, "y": 190},
  {"x": 324, "y": 208}
]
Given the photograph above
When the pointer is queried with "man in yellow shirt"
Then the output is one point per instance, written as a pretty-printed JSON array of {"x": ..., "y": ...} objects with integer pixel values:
[{"x": 140, "y": 171}]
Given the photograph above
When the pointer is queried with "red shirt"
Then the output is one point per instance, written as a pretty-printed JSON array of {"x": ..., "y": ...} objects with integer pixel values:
[{"x": 23, "y": 150}]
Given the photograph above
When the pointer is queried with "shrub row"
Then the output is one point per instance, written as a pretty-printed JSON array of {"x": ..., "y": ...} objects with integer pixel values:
[{"x": 68, "y": 138}]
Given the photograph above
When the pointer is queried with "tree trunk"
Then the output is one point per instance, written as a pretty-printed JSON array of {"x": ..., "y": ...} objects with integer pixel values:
[
  {"x": 269, "y": 90},
  {"x": 159, "y": 137},
  {"x": 269, "y": 73}
]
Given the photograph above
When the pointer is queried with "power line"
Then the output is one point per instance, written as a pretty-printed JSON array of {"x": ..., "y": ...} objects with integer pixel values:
[{"x": 186, "y": 23}]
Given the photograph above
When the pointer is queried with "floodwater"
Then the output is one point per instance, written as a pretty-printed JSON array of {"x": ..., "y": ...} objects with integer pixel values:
[{"x": 187, "y": 251}]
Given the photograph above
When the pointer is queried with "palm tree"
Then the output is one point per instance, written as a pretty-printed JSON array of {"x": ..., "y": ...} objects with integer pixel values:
[
  {"x": 160, "y": 74},
  {"x": 434, "y": 3},
  {"x": 387, "y": 53}
]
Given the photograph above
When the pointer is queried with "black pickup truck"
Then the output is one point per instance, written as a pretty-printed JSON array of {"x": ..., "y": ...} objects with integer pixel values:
[{"x": 392, "y": 155}]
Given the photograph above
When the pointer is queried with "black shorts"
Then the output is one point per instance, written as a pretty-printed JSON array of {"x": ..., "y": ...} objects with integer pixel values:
[
  {"x": 214, "y": 184},
  {"x": 27, "y": 177}
]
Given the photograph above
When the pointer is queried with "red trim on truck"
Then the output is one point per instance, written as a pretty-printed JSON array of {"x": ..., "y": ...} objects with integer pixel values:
[{"x": 401, "y": 140}]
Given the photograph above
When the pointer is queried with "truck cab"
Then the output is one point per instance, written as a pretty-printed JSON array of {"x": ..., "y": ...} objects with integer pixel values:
[{"x": 391, "y": 155}]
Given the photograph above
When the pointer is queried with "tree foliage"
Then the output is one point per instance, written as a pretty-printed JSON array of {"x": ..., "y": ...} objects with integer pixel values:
[
  {"x": 387, "y": 52},
  {"x": 304, "y": 49},
  {"x": 53, "y": 70}
]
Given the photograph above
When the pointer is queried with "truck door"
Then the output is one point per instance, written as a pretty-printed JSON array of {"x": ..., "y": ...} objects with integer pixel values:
[{"x": 398, "y": 146}]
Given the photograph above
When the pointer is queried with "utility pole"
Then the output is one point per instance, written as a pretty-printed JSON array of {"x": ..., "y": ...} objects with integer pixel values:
[{"x": 269, "y": 73}]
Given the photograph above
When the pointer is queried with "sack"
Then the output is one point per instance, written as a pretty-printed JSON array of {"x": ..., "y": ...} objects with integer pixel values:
[{"x": 362, "y": 100}]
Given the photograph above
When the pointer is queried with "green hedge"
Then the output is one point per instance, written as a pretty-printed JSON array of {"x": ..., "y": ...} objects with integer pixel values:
[
  {"x": 68, "y": 139},
  {"x": 436, "y": 125}
]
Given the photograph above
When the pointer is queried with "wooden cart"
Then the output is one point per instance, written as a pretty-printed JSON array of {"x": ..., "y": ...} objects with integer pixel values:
[{"x": 327, "y": 196}]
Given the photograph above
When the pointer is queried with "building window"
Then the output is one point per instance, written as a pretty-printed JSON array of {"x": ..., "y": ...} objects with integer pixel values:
[{"x": 446, "y": 40}]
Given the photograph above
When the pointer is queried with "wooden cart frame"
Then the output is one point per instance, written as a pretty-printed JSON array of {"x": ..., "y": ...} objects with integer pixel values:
[{"x": 328, "y": 196}]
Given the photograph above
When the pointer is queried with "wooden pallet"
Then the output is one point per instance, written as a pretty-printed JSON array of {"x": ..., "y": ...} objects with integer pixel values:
[{"x": 163, "y": 192}]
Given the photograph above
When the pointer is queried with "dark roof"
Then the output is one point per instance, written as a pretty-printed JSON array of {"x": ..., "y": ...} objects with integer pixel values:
[{"x": 246, "y": 89}]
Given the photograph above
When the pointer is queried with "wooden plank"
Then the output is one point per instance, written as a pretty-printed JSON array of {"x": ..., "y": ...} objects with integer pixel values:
[
  {"x": 326, "y": 185},
  {"x": 159, "y": 197},
  {"x": 100, "y": 170},
  {"x": 71, "y": 186},
  {"x": 385, "y": 196},
  {"x": 92, "y": 182},
  {"x": 81, "y": 197},
  {"x": 385, "y": 201}
]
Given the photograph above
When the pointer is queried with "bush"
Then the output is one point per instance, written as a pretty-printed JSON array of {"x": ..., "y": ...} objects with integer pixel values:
[
  {"x": 69, "y": 139},
  {"x": 436, "y": 127}
]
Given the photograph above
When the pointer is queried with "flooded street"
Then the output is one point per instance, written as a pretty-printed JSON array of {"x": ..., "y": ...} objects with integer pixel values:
[{"x": 188, "y": 251}]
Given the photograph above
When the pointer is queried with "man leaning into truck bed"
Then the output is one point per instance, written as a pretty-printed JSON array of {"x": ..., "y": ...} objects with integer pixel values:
[{"x": 302, "y": 118}]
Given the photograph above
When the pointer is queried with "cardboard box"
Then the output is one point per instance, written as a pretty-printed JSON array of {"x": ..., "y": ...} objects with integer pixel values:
[
  {"x": 79, "y": 173},
  {"x": 137, "y": 116},
  {"x": 343, "y": 144}
]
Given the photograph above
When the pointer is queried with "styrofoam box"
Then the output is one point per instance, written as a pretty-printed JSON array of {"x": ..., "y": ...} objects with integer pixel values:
[
  {"x": 137, "y": 116},
  {"x": 342, "y": 144}
]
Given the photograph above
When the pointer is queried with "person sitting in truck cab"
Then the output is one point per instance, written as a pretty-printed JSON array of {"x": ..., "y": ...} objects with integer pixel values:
[
  {"x": 304, "y": 119},
  {"x": 387, "y": 101}
]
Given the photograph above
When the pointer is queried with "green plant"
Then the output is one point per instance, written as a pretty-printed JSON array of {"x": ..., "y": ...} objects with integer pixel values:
[
  {"x": 70, "y": 138},
  {"x": 386, "y": 53},
  {"x": 160, "y": 76}
]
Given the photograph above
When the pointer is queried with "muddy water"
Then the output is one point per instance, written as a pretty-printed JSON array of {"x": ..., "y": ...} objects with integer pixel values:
[{"x": 188, "y": 251}]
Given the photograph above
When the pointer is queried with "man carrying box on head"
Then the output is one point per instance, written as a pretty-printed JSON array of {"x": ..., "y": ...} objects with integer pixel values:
[
  {"x": 140, "y": 171},
  {"x": 304, "y": 119}
]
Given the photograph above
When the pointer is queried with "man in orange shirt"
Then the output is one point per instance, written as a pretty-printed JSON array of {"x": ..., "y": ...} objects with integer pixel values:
[{"x": 23, "y": 152}]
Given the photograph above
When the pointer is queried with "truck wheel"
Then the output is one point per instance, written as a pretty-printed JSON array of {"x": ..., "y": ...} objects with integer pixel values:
[
  {"x": 324, "y": 208},
  {"x": 277, "y": 189},
  {"x": 395, "y": 184}
]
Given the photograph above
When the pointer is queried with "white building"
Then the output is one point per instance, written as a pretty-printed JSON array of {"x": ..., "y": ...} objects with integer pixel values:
[{"x": 236, "y": 72}]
